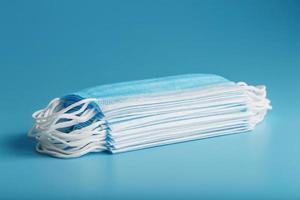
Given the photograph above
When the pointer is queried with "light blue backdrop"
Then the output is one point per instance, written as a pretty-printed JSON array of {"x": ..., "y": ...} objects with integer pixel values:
[{"x": 49, "y": 48}]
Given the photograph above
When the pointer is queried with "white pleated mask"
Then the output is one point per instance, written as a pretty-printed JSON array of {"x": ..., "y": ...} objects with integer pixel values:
[{"x": 140, "y": 114}]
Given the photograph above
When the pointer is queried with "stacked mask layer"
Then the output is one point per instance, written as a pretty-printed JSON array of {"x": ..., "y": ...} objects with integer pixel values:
[{"x": 140, "y": 114}]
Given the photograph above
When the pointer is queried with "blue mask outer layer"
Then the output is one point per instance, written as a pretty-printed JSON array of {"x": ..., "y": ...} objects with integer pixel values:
[
  {"x": 150, "y": 86},
  {"x": 141, "y": 87}
]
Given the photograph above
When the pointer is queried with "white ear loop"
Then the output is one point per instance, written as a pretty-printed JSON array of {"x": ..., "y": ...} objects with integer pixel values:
[
  {"x": 258, "y": 104},
  {"x": 75, "y": 143}
]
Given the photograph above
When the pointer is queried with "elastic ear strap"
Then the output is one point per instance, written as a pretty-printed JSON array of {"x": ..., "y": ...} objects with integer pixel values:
[
  {"x": 51, "y": 121},
  {"x": 258, "y": 103}
]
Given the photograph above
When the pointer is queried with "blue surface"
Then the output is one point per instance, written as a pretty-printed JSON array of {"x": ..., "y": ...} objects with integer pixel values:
[{"x": 50, "y": 48}]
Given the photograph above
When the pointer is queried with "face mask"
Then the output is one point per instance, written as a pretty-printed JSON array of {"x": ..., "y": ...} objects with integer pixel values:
[{"x": 141, "y": 114}]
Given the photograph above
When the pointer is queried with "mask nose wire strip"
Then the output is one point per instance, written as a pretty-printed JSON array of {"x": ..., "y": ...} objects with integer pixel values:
[{"x": 77, "y": 142}]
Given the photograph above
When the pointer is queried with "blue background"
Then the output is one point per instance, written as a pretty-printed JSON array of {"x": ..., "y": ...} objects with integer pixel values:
[{"x": 49, "y": 48}]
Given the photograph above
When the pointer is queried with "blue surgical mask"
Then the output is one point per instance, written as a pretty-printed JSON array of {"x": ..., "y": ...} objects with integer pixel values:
[{"x": 140, "y": 114}]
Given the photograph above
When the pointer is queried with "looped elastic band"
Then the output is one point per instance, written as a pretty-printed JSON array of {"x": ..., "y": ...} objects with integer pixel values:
[
  {"x": 59, "y": 132},
  {"x": 258, "y": 103}
]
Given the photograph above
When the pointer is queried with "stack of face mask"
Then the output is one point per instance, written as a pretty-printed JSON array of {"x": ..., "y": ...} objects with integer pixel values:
[{"x": 140, "y": 114}]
